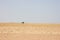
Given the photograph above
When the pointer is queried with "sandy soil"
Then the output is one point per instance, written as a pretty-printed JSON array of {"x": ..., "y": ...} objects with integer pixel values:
[{"x": 16, "y": 31}]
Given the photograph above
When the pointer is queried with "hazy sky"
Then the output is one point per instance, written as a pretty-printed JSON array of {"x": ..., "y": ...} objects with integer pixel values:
[{"x": 42, "y": 11}]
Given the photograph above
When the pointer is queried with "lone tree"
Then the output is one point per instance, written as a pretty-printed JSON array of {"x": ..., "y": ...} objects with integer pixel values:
[{"x": 22, "y": 22}]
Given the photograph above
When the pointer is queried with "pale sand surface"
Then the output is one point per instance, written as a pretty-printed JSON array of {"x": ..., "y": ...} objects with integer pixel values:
[{"x": 18, "y": 31}]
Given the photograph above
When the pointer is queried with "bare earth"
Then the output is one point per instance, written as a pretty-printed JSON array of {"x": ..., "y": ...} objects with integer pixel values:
[{"x": 29, "y": 31}]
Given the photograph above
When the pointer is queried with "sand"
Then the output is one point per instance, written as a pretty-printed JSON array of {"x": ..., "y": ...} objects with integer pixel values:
[{"x": 29, "y": 31}]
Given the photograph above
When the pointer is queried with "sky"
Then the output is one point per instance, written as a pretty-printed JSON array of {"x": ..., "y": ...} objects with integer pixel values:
[{"x": 35, "y": 11}]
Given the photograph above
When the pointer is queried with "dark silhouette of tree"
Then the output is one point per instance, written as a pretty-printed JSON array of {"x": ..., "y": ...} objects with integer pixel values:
[{"x": 22, "y": 22}]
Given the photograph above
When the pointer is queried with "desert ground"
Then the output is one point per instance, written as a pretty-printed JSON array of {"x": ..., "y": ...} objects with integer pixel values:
[{"x": 29, "y": 31}]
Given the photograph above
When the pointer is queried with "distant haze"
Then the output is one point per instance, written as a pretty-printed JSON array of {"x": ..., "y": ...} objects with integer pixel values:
[{"x": 35, "y": 11}]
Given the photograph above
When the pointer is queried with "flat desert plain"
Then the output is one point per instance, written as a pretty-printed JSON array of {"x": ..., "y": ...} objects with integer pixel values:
[{"x": 29, "y": 31}]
